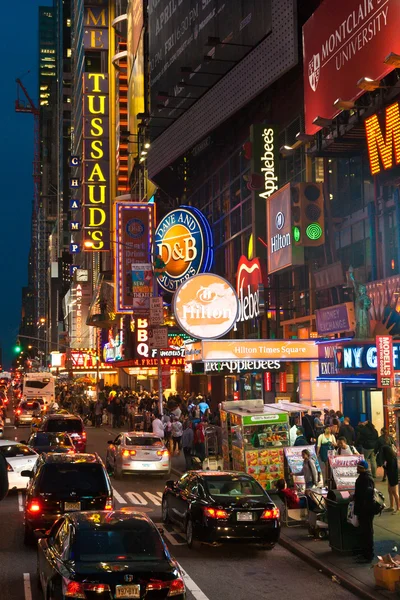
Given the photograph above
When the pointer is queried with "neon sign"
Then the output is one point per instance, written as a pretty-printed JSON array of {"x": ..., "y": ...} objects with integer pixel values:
[
  {"x": 96, "y": 164},
  {"x": 184, "y": 240},
  {"x": 383, "y": 150},
  {"x": 249, "y": 288}
]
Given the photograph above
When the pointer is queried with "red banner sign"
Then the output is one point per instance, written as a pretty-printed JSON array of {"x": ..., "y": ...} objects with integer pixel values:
[
  {"x": 344, "y": 41},
  {"x": 384, "y": 355}
]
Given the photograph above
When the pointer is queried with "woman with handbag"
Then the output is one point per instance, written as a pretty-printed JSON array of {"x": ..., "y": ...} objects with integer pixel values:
[
  {"x": 326, "y": 442},
  {"x": 384, "y": 440}
]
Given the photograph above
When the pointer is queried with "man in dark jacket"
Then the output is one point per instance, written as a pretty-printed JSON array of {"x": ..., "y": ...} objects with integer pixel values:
[
  {"x": 367, "y": 439},
  {"x": 347, "y": 431},
  {"x": 363, "y": 508},
  {"x": 308, "y": 427}
]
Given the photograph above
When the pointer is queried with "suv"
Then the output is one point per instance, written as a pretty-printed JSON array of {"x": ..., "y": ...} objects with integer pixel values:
[
  {"x": 62, "y": 483},
  {"x": 70, "y": 424}
]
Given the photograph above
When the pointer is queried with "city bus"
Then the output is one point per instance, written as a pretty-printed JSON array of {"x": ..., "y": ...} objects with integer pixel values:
[{"x": 39, "y": 384}]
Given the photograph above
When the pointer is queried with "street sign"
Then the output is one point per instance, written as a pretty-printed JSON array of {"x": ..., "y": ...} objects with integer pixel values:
[
  {"x": 158, "y": 337},
  {"x": 156, "y": 311}
]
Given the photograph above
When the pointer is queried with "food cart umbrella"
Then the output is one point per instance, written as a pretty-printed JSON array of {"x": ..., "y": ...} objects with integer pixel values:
[{"x": 293, "y": 407}]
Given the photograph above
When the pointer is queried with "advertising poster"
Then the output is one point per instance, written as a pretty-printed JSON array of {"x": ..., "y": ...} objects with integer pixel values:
[
  {"x": 344, "y": 41},
  {"x": 384, "y": 354},
  {"x": 344, "y": 470},
  {"x": 142, "y": 287},
  {"x": 134, "y": 228}
]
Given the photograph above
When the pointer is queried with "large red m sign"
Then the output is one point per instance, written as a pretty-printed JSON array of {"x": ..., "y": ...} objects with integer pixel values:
[{"x": 384, "y": 151}]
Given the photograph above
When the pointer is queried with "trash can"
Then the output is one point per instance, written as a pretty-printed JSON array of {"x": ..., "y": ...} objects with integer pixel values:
[{"x": 343, "y": 537}]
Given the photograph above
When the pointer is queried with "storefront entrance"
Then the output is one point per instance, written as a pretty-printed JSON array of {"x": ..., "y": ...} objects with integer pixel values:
[{"x": 362, "y": 404}]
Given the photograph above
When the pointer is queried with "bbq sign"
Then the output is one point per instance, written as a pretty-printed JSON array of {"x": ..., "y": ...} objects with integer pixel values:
[{"x": 184, "y": 241}]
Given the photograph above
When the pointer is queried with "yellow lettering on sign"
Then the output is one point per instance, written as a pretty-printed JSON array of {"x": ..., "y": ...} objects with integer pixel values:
[
  {"x": 92, "y": 216},
  {"x": 380, "y": 148},
  {"x": 102, "y": 192},
  {"x": 97, "y": 127},
  {"x": 97, "y": 78},
  {"x": 96, "y": 172},
  {"x": 96, "y": 149},
  {"x": 91, "y": 18},
  {"x": 96, "y": 38},
  {"x": 97, "y": 236},
  {"x": 101, "y": 104}
]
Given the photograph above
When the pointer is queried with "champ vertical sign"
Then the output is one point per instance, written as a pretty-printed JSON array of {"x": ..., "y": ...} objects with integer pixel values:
[{"x": 384, "y": 355}]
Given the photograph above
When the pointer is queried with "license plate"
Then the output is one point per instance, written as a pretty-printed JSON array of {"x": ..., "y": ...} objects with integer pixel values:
[
  {"x": 244, "y": 516},
  {"x": 72, "y": 506},
  {"x": 145, "y": 465},
  {"x": 127, "y": 591}
]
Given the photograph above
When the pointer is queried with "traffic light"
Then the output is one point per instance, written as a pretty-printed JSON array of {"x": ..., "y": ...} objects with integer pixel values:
[
  {"x": 17, "y": 347},
  {"x": 308, "y": 219}
]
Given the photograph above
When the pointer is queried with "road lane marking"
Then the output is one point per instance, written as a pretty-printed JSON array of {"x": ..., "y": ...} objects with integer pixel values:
[
  {"x": 154, "y": 498},
  {"x": 173, "y": 541},
  {"x": 20, "y": 502},
  {"x": 192, "y": 586},
  {"x": 136, "y": 499},
  {"x": 27, "y": 586},
  {"x": 118, "y": 497}
]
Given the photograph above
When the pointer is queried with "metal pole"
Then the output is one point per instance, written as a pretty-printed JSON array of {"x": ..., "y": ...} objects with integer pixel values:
[{"x": 159, "y": 368}]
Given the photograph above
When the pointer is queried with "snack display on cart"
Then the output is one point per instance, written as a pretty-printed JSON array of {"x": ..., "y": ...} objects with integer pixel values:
[
  {"x": 238, "y": 458},
  {"x": 266, "y": 466}
]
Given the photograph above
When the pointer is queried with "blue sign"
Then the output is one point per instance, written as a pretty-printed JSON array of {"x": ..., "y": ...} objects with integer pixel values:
[
  {"x": 362, "y": 357},
  {"x": 74, "y": 204},
  {"x": 74, "y": 182},
  {"x": 184, "y": 241},
  {"x": 74, "y": 161},
  {"x": 74, "y": 248},
  {"x": 72, "y": 269},
  {"x": 74, "y": 225}
]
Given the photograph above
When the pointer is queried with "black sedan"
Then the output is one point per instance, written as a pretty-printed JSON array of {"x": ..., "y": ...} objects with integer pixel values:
[
  {"x": 43, "y": 441},
  {"x": 215, "y": 506},
  {"x": 107, "y": 555}
]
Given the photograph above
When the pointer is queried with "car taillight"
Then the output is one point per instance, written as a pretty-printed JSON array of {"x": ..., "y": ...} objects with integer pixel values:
[
  {"x": 176, "y": 587},
  {"x": 18, "y": 411},
  {"x": 215, "y": 513},
  {"x": 34, "y": 506},
  {"x": 162, "y": 453},
  {"x": 129, "y": 453},
  {"x": 109, "y": 504},
  {"x": 9, "y": 467},
  {"x": 270, "y": 513},
  {"x": 75, "y": 589},
  {"x": 83, "y": 435}
]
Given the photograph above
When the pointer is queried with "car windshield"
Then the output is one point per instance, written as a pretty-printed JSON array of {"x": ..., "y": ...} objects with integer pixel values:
[
  {"x": 83, "y": 478},
  {"x": 143, "y": 441},
  {"x": 219, "y": 486},
  {"x": 68, "y": 425},
  {"x": 109, "y": 544},
  {"x": 50, "y": 439}
]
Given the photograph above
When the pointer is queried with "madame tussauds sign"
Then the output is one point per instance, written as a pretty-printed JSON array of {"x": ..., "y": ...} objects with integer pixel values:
[{"x": 249, "y": 289}]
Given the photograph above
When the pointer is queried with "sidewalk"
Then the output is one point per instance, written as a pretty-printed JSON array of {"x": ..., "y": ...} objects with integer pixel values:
[{"x": 356, "y": 577}]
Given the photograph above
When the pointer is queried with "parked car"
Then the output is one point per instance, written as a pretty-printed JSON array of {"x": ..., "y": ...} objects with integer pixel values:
[
  {"x": 101, "y": 554},
  {"x": 136, "y": 452},
  {"x": 63, "y": 483},
  {"x": 25, "y": 411},
  {"x": 19, "y": 457},
  {"x": 59, "y": 442},
  {"x": 67, "y": 423},
  {"x": 216, "y": 506}
]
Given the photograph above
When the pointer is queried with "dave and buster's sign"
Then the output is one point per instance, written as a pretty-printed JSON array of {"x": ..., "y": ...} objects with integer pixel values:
[
  {"x": 344, "y": 41},
  {"x": 184, "y": 241}
]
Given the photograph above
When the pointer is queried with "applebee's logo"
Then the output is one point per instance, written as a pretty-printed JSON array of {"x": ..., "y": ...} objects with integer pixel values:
[{"x": 314, "y": 67}]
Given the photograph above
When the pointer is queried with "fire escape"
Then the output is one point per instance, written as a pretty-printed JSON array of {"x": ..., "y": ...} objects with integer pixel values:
[{"x": 25, "y": 104}]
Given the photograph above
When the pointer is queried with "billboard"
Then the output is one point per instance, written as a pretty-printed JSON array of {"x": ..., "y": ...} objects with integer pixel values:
[
  {"x": 282, "y": 252},
  {"x": 344, "y": 41},
  {"x": 384, "y": 352},
  {"x": 134, "y": 237},
  {"x": 96, "y": 163},
  {"x": 243, "y": 350},
  {"x": 335, "y": 319},
  {"x": 135, "y": 26},
  {"x": 179, "y": 31},
  {"x": 383, "y": 139}
]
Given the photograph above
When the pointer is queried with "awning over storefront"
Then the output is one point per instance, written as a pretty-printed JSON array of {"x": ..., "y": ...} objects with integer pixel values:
[{"x": 242, "y": 350}]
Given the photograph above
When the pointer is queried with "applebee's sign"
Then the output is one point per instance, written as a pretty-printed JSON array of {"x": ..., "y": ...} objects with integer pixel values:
[{"x": 250, "y": 289}]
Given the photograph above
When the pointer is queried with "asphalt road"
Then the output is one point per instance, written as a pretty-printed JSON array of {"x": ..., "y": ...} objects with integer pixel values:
[{"x": 222, "y": 573}]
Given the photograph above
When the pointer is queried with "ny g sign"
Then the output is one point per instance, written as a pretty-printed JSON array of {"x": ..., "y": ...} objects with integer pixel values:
[{"x": 184, "y": 241}]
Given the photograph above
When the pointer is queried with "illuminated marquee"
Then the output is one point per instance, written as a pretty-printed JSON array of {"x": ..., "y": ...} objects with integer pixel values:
[
  {"x": 184, "y": 240},
  {"x": 384, "y": 151},
  {"x": 96, "y": 165}
]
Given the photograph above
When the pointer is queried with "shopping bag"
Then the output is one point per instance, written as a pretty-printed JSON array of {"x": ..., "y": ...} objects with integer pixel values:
[{"x": 351, "y": 517}]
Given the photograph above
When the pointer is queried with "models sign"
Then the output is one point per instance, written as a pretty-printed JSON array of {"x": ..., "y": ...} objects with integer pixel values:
[
  {"x": 96, "y": 163},
  {"x": 282, "y": 253},
  {"x": 384, "y": 352},
  {"x": 206, "y": 306},
  {"x": 184, "y": 241},
  {"x": 344, "y": 41}
]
